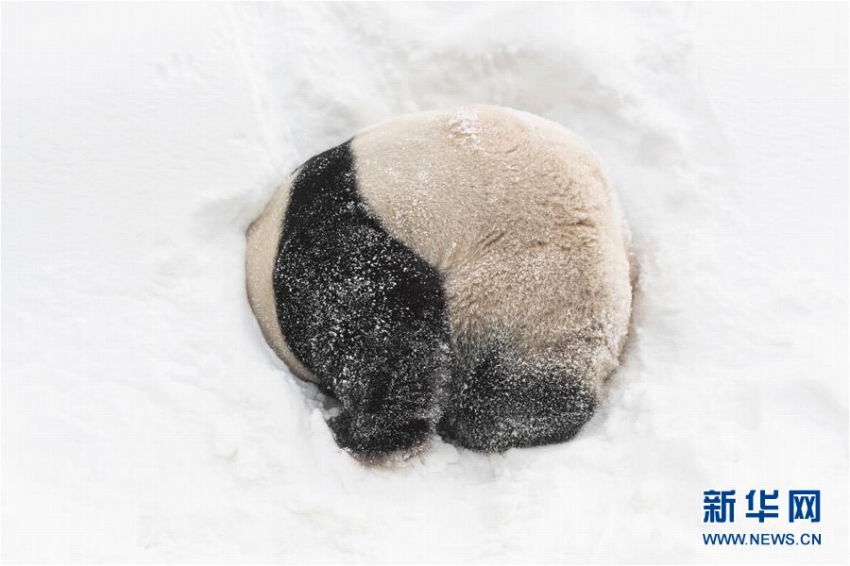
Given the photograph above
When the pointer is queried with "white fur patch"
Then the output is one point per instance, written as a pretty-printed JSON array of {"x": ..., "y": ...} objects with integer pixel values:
[{"x": 516, "y": 214}]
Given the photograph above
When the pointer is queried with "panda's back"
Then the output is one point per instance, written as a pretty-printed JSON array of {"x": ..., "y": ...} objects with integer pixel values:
[{"x": 514, "y": 212}]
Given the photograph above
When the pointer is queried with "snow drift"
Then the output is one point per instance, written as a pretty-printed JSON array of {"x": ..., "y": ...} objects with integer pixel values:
[{"x": 145, "y": 419}]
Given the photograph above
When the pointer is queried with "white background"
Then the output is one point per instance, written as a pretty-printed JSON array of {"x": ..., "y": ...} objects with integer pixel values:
[{"x": 145, "y": 419}]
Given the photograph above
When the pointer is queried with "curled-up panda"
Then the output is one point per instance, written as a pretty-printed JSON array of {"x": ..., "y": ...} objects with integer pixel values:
[{"x": 463, "y": 273}]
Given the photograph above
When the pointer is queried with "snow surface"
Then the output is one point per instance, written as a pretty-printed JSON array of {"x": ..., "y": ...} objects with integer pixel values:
[{"x": 145, "y": 419}]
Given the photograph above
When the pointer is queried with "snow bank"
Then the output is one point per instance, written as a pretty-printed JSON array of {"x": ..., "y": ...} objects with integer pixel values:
[{"x": 145, "y": 419}]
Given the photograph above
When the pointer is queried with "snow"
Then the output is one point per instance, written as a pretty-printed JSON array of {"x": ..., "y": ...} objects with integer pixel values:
[{"x": 145, "y": 419}]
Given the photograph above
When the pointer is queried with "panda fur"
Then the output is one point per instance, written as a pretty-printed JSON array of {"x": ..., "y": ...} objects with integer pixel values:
[{"x": 463, "y": 272}]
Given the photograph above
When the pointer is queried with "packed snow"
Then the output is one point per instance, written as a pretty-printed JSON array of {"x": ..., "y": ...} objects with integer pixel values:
[{"x": 144, "y": 418}]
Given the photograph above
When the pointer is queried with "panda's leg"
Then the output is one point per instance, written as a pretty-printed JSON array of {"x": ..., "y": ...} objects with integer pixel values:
[
  {"x": 500, "y": 401},
  {"x": 375, "y": 334},
  {"x": 360, "y": 311},
  {"x": 390, "y": 401}
]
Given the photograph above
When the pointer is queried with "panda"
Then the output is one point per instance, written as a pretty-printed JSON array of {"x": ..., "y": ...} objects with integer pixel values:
[{"x": 463, "y": 273}]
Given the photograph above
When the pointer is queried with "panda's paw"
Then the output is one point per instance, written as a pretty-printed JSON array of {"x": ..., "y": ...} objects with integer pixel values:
[{"x": 375, "y": 436}]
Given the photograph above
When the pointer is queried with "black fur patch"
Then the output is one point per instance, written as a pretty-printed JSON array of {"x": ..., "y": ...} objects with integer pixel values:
[
  {"x": 502, "y": 400},
  {"x": 361, "y": 311}
]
